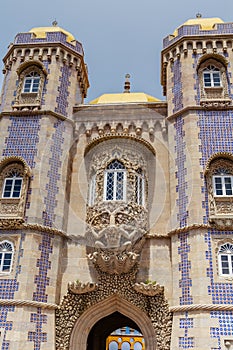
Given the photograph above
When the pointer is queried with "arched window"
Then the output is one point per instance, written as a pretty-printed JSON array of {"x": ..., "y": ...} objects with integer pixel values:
[
  {"x": 113, "y": 345},
  {"x": 137, "y": 346},
  {"x": 125, "y": 346},
  {"x": 31, "y": 82},
  {"x": 12, "y": 184},
  {"x": 212, "y": 76},
  {"x": 115, "y": 181},
  {"x": 139, "y": 187},
  {"x": 225, "y": 256},
  {"x": 6, "y": 256},
  {"x": 14, "y": 180},
  {"x": 31, "y": 79}
]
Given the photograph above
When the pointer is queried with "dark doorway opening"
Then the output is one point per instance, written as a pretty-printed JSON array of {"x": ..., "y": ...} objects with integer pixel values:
[{"x": 104, "y": 327}]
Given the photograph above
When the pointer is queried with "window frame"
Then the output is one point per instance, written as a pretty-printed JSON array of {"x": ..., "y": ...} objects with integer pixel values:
[
  {"x": 115, "y": 181},
  {"x": 229, "y": 259},
  {"x": 223, "y": 185},
  {"x": 33, "y": 79},
  {"x": 12, "y": 189},
  {"x": 211, "y": 71},
  {"x": 4, "y": 259}
]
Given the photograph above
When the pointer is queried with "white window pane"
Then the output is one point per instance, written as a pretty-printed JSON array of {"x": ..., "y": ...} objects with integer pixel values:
[
  {"x": 137, "y": 346},
  {"x": 125, "y": 346},
  {"x": 113, "y": 345}
]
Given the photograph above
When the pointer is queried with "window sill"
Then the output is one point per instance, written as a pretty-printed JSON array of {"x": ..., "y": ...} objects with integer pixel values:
[
  {"x": 223, "y": 198},
  {"x": 217, "y": 103}
]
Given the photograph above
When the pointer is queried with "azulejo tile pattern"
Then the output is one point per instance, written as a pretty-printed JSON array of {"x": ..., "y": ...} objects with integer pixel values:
[
  {"x": 190, "y": 30},
  {"x": 22, "y": 140},
  {"x": 63, "y": 89},
  {"x": 216, "y": 135},
  {"x": 38, "y": 336},
  {"x": 186, "y": 323},
  {"x": 177, "y": 87},
  {"x": 46, "y": 247},
  {"x": 185, "y": 282},
  {"x": 27, "y": 38}
]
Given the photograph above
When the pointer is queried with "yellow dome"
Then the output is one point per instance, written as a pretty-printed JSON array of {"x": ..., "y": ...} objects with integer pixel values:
[
  {"x": 205, "y": 23},
  {"x": 132, "y": 97},
  {"x": 40, "y": 32}
]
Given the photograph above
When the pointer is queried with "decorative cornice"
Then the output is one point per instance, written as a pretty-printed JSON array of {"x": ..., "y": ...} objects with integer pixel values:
[
  {"x": 216, "y": 156},
  {"x": 19, "y": 224},
  {"x": 188, "y": 109},
  {"x": 36, "y": 112},
  {"x": 30, "y": 303},
  {"x": 111, "y": 136},
  {"x": 201, "y": 307}
]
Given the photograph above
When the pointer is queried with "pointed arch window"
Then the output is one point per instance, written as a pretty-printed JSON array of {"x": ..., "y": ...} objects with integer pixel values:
[
  {"x": 225, "y": 256},
  {"x": 6, "y": 256},
  {"x": 212, "y": 76},
  {"x": 115, "y": 181}
]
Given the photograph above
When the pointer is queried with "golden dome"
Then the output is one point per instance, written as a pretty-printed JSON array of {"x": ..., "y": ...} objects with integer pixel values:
[
  {"x": 204, "y": 23},
  {"x": 40, "y": 32},
  {"x": 132, "y": 97}
]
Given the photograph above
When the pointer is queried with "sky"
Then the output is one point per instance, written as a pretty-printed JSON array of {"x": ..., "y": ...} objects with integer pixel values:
[{"x": 118, "y": 37}]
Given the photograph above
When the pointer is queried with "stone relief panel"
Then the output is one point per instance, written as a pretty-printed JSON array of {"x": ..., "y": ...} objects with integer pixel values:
[
  {"x": 148, "y": 298},
  {"x": 115, "y": 225}
]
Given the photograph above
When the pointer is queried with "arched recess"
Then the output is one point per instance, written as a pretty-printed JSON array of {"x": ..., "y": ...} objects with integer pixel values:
[{"x": 105, "y": 308}]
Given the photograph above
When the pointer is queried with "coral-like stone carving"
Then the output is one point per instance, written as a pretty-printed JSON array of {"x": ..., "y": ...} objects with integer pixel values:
[
  {"x": 150, "y": 289},
  {"x": 154, "y": 306},
  {"x": 78, "y": 287}
]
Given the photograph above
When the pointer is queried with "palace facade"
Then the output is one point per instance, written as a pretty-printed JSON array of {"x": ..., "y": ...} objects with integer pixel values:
[{"x": 117, "y": 214}]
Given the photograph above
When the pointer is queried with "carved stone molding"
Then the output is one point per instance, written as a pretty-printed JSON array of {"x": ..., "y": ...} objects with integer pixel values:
[
  {"x": 149, "y": 289},
  {"x": 74, "y": 305},
  {"x": 117, "y": 260},
  {"x": 220, "y": 207},
  {"x": 215, "y": 104},
  {"x": 222, "y": 223},
  {"x": 29, "y": 101},
  {"x": 15, "y": 223},
  {"x": 78, "y": 287}
]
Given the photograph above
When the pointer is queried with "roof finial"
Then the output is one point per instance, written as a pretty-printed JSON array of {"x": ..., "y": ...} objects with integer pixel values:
[
  {"x": 54, "y": 23},
  {"x": 127, "y": 83},
  {"x": 198, "y": 15}
]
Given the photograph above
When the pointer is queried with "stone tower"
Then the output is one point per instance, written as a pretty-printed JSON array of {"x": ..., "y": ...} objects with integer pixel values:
[
  {"x": 197, "y": 80},
  {"x": 117, "y": 214}
]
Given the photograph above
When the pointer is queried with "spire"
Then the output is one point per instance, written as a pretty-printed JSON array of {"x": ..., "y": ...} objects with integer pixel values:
[{"x": 127, "y": 83}]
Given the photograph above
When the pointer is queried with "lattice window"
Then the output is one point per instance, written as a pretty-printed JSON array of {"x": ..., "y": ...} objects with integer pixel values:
[
  {"x": 225, "y": 256},
  {"x": 6, "y": 256},
  {"x": 139, "y": 187},
  {"x": 115, "y": 181}
]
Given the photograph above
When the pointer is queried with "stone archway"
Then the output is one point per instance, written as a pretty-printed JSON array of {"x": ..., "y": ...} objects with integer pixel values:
[{"x": 105, "y": 308}]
